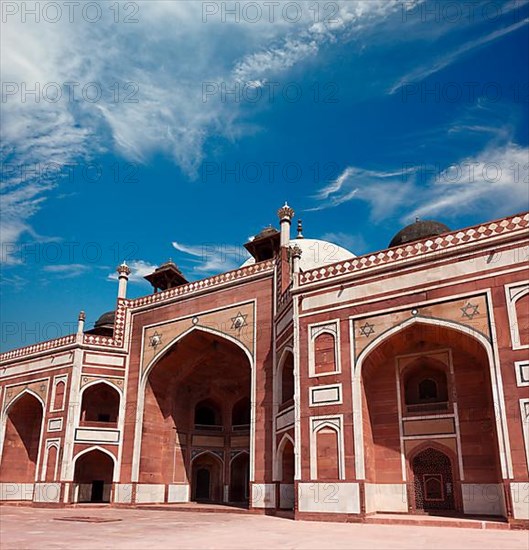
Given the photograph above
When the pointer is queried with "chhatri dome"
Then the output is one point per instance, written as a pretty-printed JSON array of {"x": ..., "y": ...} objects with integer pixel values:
[{"x": 419, "y": 229}]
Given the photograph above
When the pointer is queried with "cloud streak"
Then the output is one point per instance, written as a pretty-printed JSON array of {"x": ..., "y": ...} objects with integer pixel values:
[
  {"x": 493, "y": 182},
  {"x": 210, "y": 259},
  {"x": 421, "y": 73},
  {"x": 67, "y": 271},
  {"x": 368, "y": 185},
  {"x": 166, "y": 56},
  {"x": 138, "y": 270}
]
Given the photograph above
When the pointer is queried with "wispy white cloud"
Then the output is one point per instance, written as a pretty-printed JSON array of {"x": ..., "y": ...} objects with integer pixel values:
[
  {"x": 371, "y": 186},
  {"x": 197, "y": 251},
  {"x": 138, "y": 270},
  {"x": 209, "y": 258},
  {"x": 67, "y": 271},
  {"x": 13, "y": 282},
  {"x": 493, "y": 182},
  {"x": 423, "y": 72},
  {"x": 168, "y": 55},
  {"x": 256, "y": 67},
  {"x": 320, "y": 23}
]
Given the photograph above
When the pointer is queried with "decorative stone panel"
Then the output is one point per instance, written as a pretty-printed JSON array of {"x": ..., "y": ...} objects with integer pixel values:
[
  {"x": 237, "y": 321},
  {"x": 471, "y": 312},
  {"x": 325, "y": 395},
  {"x": 40, "y": 387}
]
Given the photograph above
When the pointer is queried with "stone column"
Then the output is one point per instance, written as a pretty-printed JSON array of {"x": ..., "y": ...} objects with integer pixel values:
[
  {"x": 285, "y": 215},
  {"x": 123, "y": 271},
  {"x": 295, "y": 253},
  {"x": 80, "y": 326}
]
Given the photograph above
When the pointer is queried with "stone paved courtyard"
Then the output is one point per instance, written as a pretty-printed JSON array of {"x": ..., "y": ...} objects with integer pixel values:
[{"x": 24, "y": 527}]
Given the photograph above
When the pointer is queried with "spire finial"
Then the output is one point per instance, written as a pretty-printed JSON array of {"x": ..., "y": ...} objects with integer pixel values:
[
  {"x": 123, "y": 269},
  {"x": 285, "y": 213},
  {"x": 300, "y": 229}
]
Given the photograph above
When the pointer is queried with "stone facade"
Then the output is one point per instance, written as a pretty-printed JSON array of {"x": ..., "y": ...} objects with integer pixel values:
[{"x": 392, "y": 382}]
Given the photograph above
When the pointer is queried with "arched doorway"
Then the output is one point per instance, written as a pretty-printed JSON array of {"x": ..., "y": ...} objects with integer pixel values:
[
  {"x": 418, "y": 389},
  {"x": 197, "y": 408},
  {"x": 22, "y": 439},
  {"x": 433, "y": 481},
  {"x": 100, "y": 404},
  {"x": 93, "y": 475},
  {"x": 285, "y": 471},
  {"x": 239, "y": 478},
  {"x": 206, "y": 483},
  {"x": 285, "y": 382}
]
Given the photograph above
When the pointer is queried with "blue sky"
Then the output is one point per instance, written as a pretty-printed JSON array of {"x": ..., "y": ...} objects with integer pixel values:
[{"x": 363, "y": 115}]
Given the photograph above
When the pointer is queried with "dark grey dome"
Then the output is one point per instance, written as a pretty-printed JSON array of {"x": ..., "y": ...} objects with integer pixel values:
[
  {"x": 420, "y": 229},
  {"x": 106, "y": 320}
]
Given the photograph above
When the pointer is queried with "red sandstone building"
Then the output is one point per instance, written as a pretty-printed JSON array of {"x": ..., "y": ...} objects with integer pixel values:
[{"x": 309, "y": 378}]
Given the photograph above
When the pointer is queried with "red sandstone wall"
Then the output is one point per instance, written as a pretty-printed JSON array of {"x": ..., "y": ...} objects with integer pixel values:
[
  {"x": 40, "y": 382},
  {"x": 160, "y": 452},
  {"x": 21, "y": 443},
  {"x": 473, "y": 381}
]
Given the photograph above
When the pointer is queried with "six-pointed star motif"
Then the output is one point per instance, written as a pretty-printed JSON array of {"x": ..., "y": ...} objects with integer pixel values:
[
  {"x": 470, "y": 310},
  {"x": 367, "y": 330},
  {"x": 155, "y": 340},
  {"x": 239, "y": 321}
]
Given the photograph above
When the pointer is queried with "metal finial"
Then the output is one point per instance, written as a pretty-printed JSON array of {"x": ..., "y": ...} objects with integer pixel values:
[{"x": 300, "y": 229}]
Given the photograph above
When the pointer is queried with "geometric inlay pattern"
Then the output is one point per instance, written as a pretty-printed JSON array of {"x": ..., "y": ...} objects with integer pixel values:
[
  {"x": 367, "y": 329},
  {"x": 155, "y": 340},
  {"x": 239, "y": 321},
  {"x": 470, "y": 310}
]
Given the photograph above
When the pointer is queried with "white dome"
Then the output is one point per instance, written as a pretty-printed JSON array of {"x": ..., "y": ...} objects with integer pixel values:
[{"x": 316, "y": 253}]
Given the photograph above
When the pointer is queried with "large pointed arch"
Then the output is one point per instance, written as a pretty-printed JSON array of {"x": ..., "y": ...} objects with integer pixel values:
[
  {"x": 284, "y": 439},
  {"x": 21, "y": 394},
  {"x": 211, "y": 333},
  {"x": 243, "y": 452},
  {"x": 495, "y": 378},
  {"x": 24, "y": 436},
  {"x": 465, "y": 329},
  {"x": 200, "y": 328}
]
